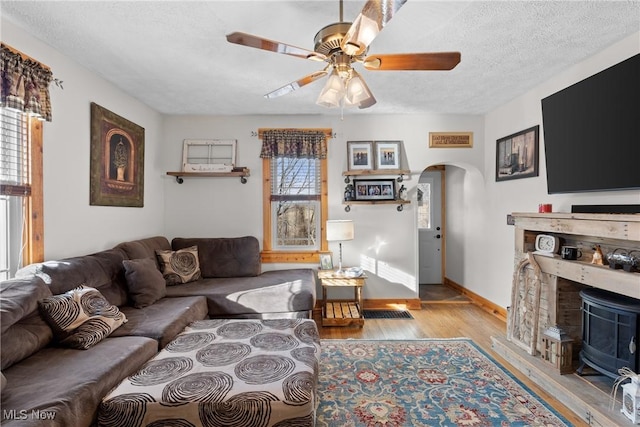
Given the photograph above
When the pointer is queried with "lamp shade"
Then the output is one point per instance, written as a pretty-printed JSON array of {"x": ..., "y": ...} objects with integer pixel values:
[{"x": 339, "y": 230}]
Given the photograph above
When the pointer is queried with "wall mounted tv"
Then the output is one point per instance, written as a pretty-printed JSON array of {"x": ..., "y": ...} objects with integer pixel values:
[{"x": 592, "y": 132}]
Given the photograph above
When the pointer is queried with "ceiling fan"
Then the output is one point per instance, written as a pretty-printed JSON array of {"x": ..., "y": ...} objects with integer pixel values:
[{"x": 342, "y": 44}]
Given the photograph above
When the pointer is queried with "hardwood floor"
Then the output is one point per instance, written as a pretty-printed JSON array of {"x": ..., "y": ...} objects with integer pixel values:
[{"x": 439, "y": 319}]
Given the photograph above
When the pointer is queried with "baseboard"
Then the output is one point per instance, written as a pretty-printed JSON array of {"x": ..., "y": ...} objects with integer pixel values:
[{"x": 476, "y": 299}]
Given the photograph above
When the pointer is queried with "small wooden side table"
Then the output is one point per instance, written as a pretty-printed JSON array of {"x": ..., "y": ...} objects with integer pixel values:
[{"x": 341, "y": 313}]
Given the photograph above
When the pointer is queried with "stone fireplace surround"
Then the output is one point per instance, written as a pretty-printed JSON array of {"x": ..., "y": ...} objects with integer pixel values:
[{"x": 561, "y": 282}]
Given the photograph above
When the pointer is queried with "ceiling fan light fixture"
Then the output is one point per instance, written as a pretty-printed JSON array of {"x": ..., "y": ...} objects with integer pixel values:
[
  {"x": 333, "y": 91},
  {"x": 357, "y": 92}
]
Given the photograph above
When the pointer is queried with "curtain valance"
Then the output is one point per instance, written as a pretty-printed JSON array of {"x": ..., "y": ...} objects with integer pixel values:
[
  {"x": 25, "y": 83},
  {"x": 294, "y": 143}
]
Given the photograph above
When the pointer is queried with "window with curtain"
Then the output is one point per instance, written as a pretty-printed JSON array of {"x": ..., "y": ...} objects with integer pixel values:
[
  {"x": 295, "y": 205},
  {"x": 23, "y": 105}
]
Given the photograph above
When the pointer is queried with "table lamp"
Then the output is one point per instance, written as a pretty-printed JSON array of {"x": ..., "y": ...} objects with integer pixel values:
[{"x": 339, "y": 230}]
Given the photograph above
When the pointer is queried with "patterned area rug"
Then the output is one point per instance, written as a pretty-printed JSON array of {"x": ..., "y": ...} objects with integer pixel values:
[{"x": 432, "y": 382}]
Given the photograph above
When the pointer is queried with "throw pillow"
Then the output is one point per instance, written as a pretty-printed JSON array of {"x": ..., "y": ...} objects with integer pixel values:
[
  {"x": 145, "y": 282},
  {"x": 81, "y": 317},
  {"x": 181, "y": 266}
]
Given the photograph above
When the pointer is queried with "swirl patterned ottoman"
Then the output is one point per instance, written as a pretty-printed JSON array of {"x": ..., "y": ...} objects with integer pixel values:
[{"x": 223, "y": 372}]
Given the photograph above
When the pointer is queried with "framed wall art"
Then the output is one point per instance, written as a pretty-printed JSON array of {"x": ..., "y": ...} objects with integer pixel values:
[
  {"x": 375, "y": 189},
  {"x": 517, "y": 155},
  {"x": 360, "y": 154},
  {"x": 450, "y": 139},
  {"x": 117, "y": 160},
  {"x": 208, "y": 155},
  {"x": 387, "y": 154}
]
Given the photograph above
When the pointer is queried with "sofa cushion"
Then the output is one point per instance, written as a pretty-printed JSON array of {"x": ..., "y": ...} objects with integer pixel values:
[
  {"x": 23, "y": 339},
  {"x": 19, "y": 297},
  {"x": 181, "y": 266},
  {"x": 225, "y": 256},
  {"x": 144, "y": 248},
  {"x": 81, "y": 317},
  {"x": 69, "y": 384},
  {"x": 102, "y": 271},
  {"x": 145, "y": 282},
  {"x": 163, "y": 320},
  {"x": 271, "y": 294}
]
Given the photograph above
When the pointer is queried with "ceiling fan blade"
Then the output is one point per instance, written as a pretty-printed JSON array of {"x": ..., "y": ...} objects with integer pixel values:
[
  {"x": 250, "y": 40},
  {"x": 297, "y": 84},
  {"x": 374, "y": 16},
  {"x": 413, "y": 61}
]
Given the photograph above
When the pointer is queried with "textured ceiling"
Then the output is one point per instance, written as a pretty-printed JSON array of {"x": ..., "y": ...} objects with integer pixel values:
[{"x": 173, "y": 55}]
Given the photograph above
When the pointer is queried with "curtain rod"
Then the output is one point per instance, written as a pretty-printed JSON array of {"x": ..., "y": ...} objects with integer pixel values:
[
  {"x": 25, "y": 57},
  {"x": 328, "y": 132}
]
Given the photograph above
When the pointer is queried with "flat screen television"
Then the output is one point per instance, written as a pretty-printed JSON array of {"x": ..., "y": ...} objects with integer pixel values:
[{"x": 592, "y": 132}]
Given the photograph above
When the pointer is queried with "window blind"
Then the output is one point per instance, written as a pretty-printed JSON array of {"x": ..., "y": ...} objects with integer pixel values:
[{"x": 15, "y": 176}]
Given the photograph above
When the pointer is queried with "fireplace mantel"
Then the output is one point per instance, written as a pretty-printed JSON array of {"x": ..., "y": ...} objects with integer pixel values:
[
  {"x": 610, "y": 231},
  {"x": 560, "y": 282}
]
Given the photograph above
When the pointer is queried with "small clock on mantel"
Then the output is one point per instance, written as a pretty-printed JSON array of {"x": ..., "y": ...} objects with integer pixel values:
[{"x": 547, "y": 245}]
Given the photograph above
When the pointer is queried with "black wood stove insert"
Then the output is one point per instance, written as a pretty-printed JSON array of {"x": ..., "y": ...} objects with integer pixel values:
[{"x": 610, "y": 324}]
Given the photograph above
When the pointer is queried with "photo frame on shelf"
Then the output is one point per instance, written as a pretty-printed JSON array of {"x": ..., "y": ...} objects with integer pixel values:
[
  {"x": 450, "y": 139},
  {"x": 360, "y": 155},
  {"x": 517, "y": 155},
  {"x": 375, "y": 189},
  {"x": 117, "y": 160},
  {"x": 388, "y": 154},
  {"x": 326, "y": 262}
]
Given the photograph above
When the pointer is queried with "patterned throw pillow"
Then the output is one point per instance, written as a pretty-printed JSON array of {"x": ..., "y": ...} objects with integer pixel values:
[
  {"x": 181, "y": 266},
  {"x": 81, "y": 317}
]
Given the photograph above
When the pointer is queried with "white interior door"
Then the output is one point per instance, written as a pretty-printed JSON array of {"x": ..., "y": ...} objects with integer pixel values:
[{"x": 430, "y": 232}]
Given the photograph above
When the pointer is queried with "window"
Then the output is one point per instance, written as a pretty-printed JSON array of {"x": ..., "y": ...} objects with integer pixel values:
[
  {"x": 294, "y": 206},
  {"x": 20, "y": 191}
]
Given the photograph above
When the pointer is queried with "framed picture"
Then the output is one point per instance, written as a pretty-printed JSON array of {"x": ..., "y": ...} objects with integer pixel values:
[
  {"x": 208, "y": 155},
  {"x": 450, "y": 139},
  {"x": 117, "y": 160},
  {"x": 375, "y": 189},
  {"x": 360, "y": 154},
  {"x": 326, "y": 262},
  {"x": 387, "y": 155},
  {"x": 517, "y": 155}
]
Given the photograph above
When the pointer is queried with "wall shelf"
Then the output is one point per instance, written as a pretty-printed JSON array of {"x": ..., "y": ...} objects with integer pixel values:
[
  {"x": 243, "y": 173},
  {"x": 376, "y": 172}
]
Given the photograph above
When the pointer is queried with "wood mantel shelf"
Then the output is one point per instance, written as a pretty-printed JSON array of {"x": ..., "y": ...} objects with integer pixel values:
[
  {"x": 614, "y": 226},
  {"x": 583, "y": 230}
]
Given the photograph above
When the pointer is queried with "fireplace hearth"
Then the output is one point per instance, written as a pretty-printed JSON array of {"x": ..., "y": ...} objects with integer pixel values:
[{"x": 609, "y": 332}]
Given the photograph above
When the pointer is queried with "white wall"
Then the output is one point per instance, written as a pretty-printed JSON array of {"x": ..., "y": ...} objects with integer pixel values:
[
  {"x": 385, "y": 239},
  {"x": 72, "y": 227},
  {"x": 488, "y": 268}
]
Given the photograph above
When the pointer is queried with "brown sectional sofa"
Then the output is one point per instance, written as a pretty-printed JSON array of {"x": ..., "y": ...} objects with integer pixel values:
[{"x": 50, "y": 385}]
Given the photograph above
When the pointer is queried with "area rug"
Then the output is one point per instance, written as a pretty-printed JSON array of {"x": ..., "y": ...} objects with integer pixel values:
[
  {"x": 431, "y": 382},
  {"x": 386, "y": 314}
]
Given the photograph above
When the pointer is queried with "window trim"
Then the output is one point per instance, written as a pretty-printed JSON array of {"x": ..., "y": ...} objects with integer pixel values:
[
  {"x": 268, "y": 254},
  {"x": 34, "y": 229}
]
